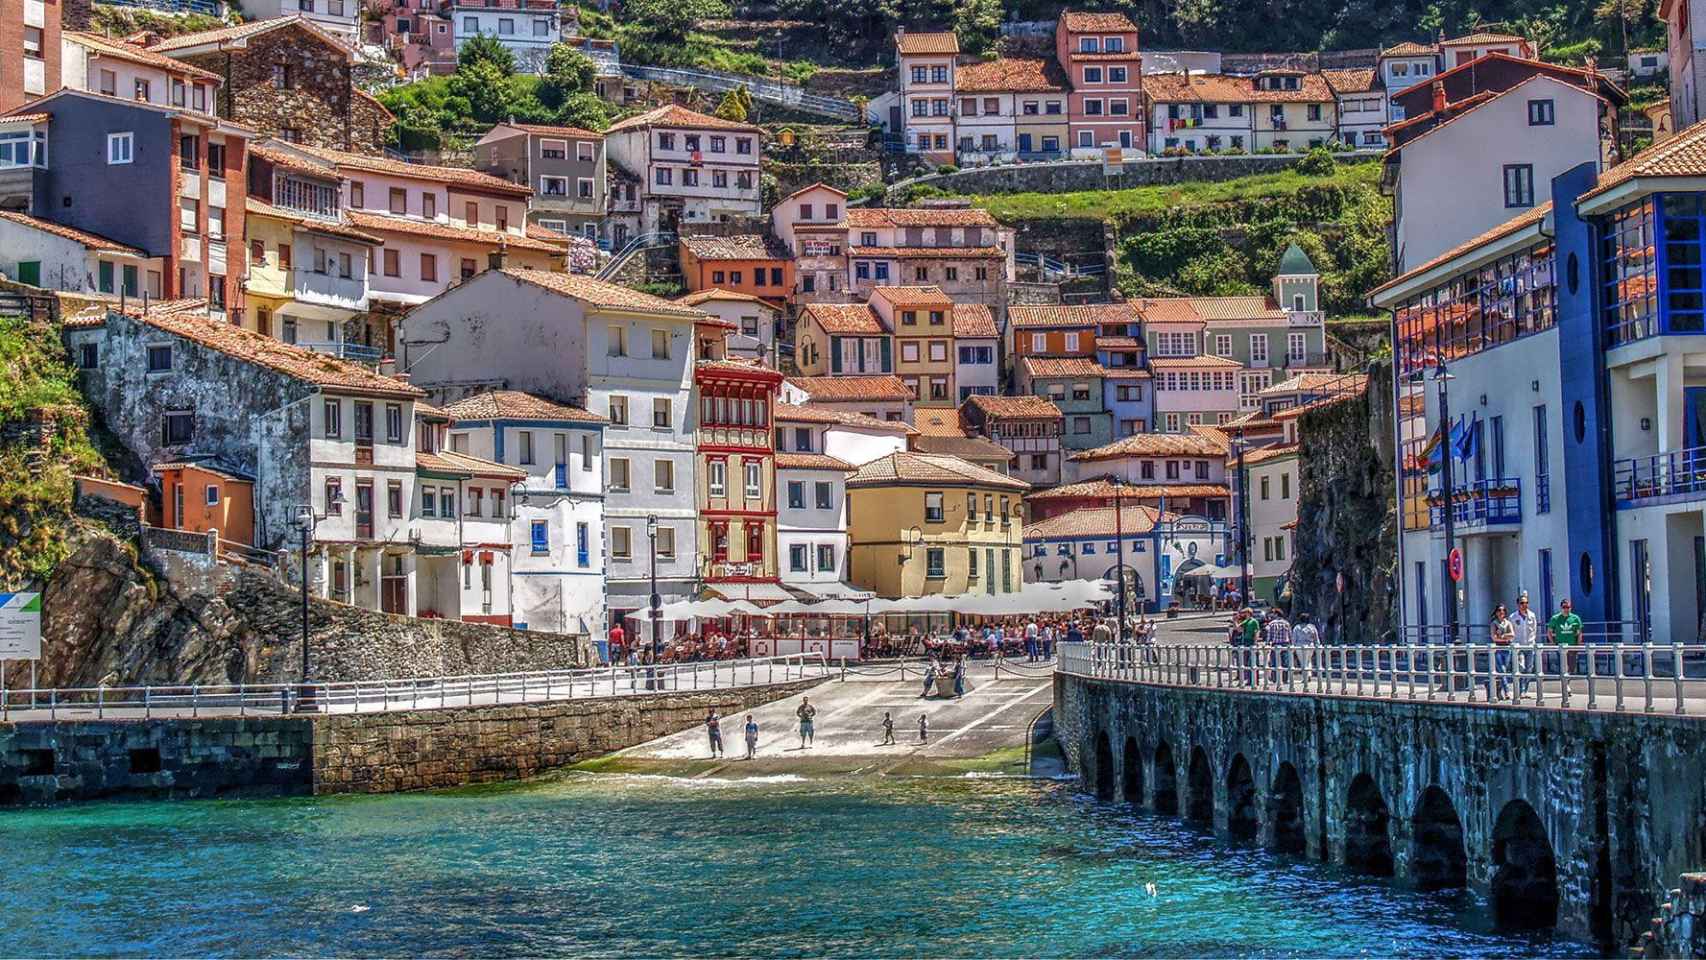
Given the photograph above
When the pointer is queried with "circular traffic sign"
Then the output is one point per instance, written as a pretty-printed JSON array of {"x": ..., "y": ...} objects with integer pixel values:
[{"x": 1454, "y": 564}]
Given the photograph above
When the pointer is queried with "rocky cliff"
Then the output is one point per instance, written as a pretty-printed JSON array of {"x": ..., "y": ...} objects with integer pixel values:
[{"x": 1346, "y": 517}]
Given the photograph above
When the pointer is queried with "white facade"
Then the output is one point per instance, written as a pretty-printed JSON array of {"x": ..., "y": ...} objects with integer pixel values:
[
  {"x": 811, "y": 526},
  {"x": 693, "y": 168},
  {"x": 754, "y": 336},
  {"x": 108, "y": 67},
  {"x": 526, "y": 30},
  {"x": 59, "y": 262},
  {"x": 1362, "y": 116},
  {"x": 985, "y": 129},
  {"x": 337, "y": 17},
  {"x": 1400, "y": 73},
  {"x": 1685, "y": 46},
  {"x": 1212, "y": 126},
  {"x": 1452, "y": 180},
  {"x": 1273, "y": 512},
  {"x": 977, "y": 367}
]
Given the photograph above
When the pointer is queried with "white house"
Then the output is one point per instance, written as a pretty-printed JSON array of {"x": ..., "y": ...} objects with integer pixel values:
[
  {"x": 977, "y": 366},
  {"x": 1362, "y": 106},
  {"x": 558, "y": 528},
  {"x": 1401, "y": 67},
  {"x": 691, "y": 167},
  {"x": 526, "y": 28},
  {"x": 754, "y": 321},
  {"x": 927, "y": 62},
  {"x": 851, "y": 438},
  {"x": 811, "y": 517},
  {"x": 337, "y": 17},
  {"x": 114, "y": 68},
  {"x": 808, "y": 221},
  {"x": 46, "y": 254}
]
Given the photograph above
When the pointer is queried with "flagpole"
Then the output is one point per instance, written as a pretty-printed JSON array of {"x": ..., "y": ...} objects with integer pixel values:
[{"x": 1450, "y": 498}]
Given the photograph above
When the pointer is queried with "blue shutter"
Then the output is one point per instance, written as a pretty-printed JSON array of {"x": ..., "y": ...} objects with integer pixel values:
[
  {"x": 581, "y": 545},
  {"x": 541, "y": 537},
  {"x": 834, "y": 354},
  {"x": 888, "y": 356}
]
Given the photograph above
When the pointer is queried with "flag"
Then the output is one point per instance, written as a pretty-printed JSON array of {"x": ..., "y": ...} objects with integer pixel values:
[
  {"x": 1466, "y": 444},
  {"x": 1429, "y": 454}
]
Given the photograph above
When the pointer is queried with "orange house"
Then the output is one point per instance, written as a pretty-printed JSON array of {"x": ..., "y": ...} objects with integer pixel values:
[
  {"x": 199, "y": 497},
  {"x": 749, "y": 263},
  {"x": 1051, "y": 332}
]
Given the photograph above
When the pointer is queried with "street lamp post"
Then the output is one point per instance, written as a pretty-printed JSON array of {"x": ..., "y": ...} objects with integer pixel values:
[
  {"x": 657, "y": 601},
  {"x": 306, "y": 521},
  {"x": 1119, "y": 553},
  {"x": 1441, "y": 377},
  {"x": 1243, "y": 526}
]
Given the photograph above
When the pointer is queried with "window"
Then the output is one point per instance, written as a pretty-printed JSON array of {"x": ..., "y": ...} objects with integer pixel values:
[
  {"x": 88, "y": 356},
  {"x": 525, "y": 443},
  {"x": 825, "y": 557},
  {"x": 429, "y": 206},
  {"x": 447, "y": 503},
  {"x": 335, "y": 497},
  {"x": 1116, "y": 74},
  {"x": 1519, "y": 185},
  {"x": 393, "y": 423},
  {"x": 143, "y": 91},
  {"x": 663, "y": 476},
  {"x": 933, "y": 508},
  {"x": 1264, "y": 487},
  {"x": 660, "y": 344},
  {"x": 1088, "y": 45},
  {"x": 399, "y": 200},
  {"x": 824, "y": 492},
  {"x": 548, "y": 187},
  {"x": 754, "y": 480},
  {"x": 541, "y": 28},
  {"x": 1540, "y": 113},
  {"x": 177, "y": 427},
  {"x": 796, "y": 495},
  {"x": 357, "y": 195},
  {"x": 661, "y": 413},
  {"x": 798, "y": 556},
  {"x": 1119, "y": 108},
  {"x": 618, "y": 411},
  {"x": 1092, "y": 108},
  {"x": 429, "y": 267},
  {"x": 743, "y": 144},
  {"x": 621, "y": 543},
  {"x": 935, "y": 566},
  {"x": 160, "y": 358},
  {"x": 332, "y": 418},
  {"x": 1258, "y": 348},
  {"x": 619, "y": 474},
  {"x": 391, "y": 266},
  {"x": 1313, "y": 112},
  {"x": 583, "y": 188},
  {"x": 393, "y": 498},
  {"x": 540, "y": 537},
  {"x": 121, "y": 148},
  {"x": 506, "y": 26}
]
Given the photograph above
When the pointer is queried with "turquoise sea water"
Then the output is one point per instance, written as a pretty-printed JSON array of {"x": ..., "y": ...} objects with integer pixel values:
[{"x": 612, "y": 865}]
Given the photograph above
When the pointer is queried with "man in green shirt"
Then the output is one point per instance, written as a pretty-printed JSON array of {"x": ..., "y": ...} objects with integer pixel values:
[{"x": 1565, "y": 629}]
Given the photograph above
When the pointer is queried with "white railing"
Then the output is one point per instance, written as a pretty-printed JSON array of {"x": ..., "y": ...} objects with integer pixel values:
[
  {"x": 417, "y": 693},
  {"x": 1647, "y": 678}
]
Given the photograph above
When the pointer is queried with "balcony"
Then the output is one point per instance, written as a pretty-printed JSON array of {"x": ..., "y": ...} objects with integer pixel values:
[
  {"x": 1675, "y": 477},
  {"x": 310, "y": 199},
  {"x": 1480, "y": 504},
  {"x": 1305, "y": 318},
  {"x": 328, "y": 289},
  {"x": 345, "y": 351}
]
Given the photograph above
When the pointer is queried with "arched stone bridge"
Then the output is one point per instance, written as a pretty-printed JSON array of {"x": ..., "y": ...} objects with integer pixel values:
[{"x": 1560, "y": 817}]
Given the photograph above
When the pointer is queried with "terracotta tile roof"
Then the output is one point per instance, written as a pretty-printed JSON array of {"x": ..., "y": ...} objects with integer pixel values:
[
  {"x": 461, "y": 464},
  {"x": 1010, "y": 74},
  {"x": 1683, "y": 155},
  {"x": 1083, "y": 22},
  {"x": 853, "y": 388},
  {"x": 336, "y": 228},
  {"x": 846, "y": 318},
  {"x": 1212, "y": 433},
  {"x": 96, "y": 316},
  {"x": 1061, "y": 367},
  {"x": 1221, "y": 88},
  {"x": 815, "y": 413},
  {"x": 1408, "y": 48},
  {"x": 455, "y": 176},
  {"x": 974, "y": 320},
  {"x": 1601, "y": 83},
  {"x": 1479, "y": 39},
  {"x": 717, "y": 293},
  {"x": 1103, "y": 487},
  {"x": 938, "y": 423},
  {"x": 600, "y": 294},
  {"x": 820, "y": 185},
  {"x": 263, "y": 351},
  {"x": 26, "y": 118},
  {"x": 943, "y": 253},
  {"x": 1156, "y": 445},
  {"x": 1216, "y": 309},
  {"x": 1311, "y": 382},
  {"x": 710, "y": 320},
  {"x": 811, "y": 461},
  {"x": 1350, "y": 81},
  {"x": 869, "y": 217},
  {"x": 911, "y": 43},
  {"x": 1200, "y": 360},
  {"x": 243, "y": 31},
  {"x": 90, "y": 240},
  {"x": 1117, "y": 343},
  {"x": 290, "y": 161},
  {"x": 138, "y": 54},
  {"x": 910, "y": 468},
  {"x": 370, "y": 222},
  {"x": 1514, "y": 225},
  {"x": 746, "y": 246},
  {"x": 516, "y": 405},
  {"x": 1019, "y": 407},
  {"x": 545, "y": 130},
  {"x": 1254, "y": 418},
  {"x": 1097, "y": 522},
  {"x": 738, "y": 367},
  {"x": 914, "y": 296},
  {"x": 1292, "y": 413},
  {"x": 1168, "y": 310},
  {"x": 672, "y": 115},
  {"x": 969, "y": 448},
  {"x": 1045, "y": 317},
  {"x": 1465, "y": 107},
  {"x": 1264, "y": 454},
  {"x": 1126, "y": 373}
]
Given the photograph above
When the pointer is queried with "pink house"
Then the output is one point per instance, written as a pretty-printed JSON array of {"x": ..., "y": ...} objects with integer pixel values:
[
  {"x": 1098, "y": 51},
  {"x": 417, "y": 32}
]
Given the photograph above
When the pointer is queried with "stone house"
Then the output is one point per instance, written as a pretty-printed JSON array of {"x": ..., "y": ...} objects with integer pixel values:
[
  {"x": 564, "y": 166},
  {"x": 806, "y": 221},
  {"x": 287, "y": 78}
]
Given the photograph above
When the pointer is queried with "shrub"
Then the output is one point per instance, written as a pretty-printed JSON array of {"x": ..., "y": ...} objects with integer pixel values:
[{"x": 1318, "y": 162}]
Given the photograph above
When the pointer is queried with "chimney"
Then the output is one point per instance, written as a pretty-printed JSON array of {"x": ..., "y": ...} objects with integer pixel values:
[
  {"x": 1439, "y": 96},
  {"x": 498, "y": 258}
]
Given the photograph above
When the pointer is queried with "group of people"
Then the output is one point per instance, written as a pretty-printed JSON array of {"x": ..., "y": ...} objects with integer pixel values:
[
  {"x": 1522, "y": 629},
  {"x": 1271, "y": 628},
  {"x": 692, "y": 648},
  {"x": 937, "y": 669},
  {"x": 805, "y": 712}
]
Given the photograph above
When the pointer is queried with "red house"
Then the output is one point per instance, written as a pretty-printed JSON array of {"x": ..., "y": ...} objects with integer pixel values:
[{"x": 1098, "y": 51}]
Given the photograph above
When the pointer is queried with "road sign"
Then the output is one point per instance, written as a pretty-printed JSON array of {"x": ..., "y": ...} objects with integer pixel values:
[
  {"x": 1454, "y": 564},
  {"x": 20, "y": 626}
]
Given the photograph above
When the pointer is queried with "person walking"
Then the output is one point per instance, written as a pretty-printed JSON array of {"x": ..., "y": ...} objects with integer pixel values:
[
  {"x": 929, "y": 678},
  {"x": 1565, "y": 630},
  {"x": 1527, "y": 625},
  {"x": 923, "y": 728},
  {"x": 805, "y": 712},
  {"x": 959, "y": 678},
  {"x": 713, "y": 728},
  {"x": 1101, "y": 634},
  {"x": 1031, "y": 641},
  {"x": 1304, "y": 639},
  {"x": 617, "y": 639},
  {"x": 1048, "y": 641},
  {"x": 888, "y": 729},
  {"x": 751, "y": 737},
  {"x": 1502, "y": 632}
]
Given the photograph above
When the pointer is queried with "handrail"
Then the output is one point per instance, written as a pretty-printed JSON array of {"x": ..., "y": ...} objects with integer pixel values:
[
  {"x": 1673, "y": 473},
  {"x": 645, "y": 241},
  {"x": 412, "y": 693},
  {"x": 1616, "y": 677}
]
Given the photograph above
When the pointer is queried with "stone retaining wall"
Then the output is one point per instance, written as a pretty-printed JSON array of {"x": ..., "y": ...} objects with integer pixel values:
[{"x": 1066, "y": 176}]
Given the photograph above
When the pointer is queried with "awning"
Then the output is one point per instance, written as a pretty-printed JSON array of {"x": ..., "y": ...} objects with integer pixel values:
[
  {"x": 315, "y": 311},
  {"x": 760, "y": 592},
  {"x": 834, "y": 591},
  {"x": 1212, "y": 572}
]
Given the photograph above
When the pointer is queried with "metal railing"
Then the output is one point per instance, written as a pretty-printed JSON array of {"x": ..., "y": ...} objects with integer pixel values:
[
  {"x": 1678, "y": 475},
  {"x": 1481, "y": 502},
  {"x": 213, "y": 8},
  {"x": 357, "y": 352},
  {"x": 645, "y": 241},
  {"x": 1620, "y": 677},
  {"x": 417, "y": 693},
  {"x": 182, "y": 541}
]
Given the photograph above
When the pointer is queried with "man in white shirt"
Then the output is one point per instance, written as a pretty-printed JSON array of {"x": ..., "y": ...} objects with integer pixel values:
[
  {"x": 1031, "y": 641},
  {"x": 1527, "y": 624}
]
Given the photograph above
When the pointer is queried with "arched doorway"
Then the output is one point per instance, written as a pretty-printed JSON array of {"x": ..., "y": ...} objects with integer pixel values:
[
  {"x": 1437, "y": 858},
  {"x": 1525, "y": 873},
  {"x": 1104, "y": 767},
  {"x": 1166, "y": 781},
  {"x": 1131, "y": 770},
  {"x": 1285, "y": 812},
  {"x": 1368, "y": 828},
  {"x": 1242, "y": 824},
  {"x": 1199, "y": 790}
]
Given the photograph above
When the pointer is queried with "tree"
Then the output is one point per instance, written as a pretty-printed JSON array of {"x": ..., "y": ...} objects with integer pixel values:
[
  {"x": 671, "y": 19},
  {"x": 1623, "y": 13},
  {"x": 585, "y": 110},
  {"x": 977, "y": 24},
  {"x": 484, "y": 49},
  {"x": 567, "y": 72},
  {"x": 732, "y": 108},
  {"x": 485, "y": 89}
]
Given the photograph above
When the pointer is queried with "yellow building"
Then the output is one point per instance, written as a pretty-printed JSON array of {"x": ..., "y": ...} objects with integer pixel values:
[
  {"x": 1292, "y": 110},
  {"x": 922, "y": 319},
  {"x": 921, "y": 524},
  {"x": 268, "y": 231}
]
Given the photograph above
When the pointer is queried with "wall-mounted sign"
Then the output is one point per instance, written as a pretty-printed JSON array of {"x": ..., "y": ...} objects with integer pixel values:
[{"x": 20, "y": 626}]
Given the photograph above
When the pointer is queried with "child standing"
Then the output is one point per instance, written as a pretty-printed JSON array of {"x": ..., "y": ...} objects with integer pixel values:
[
  {"x": 888, "y": 729},
  {"x": 923, "y": 728}
]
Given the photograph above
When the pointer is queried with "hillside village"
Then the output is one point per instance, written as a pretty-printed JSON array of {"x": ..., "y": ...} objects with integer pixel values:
[{"x": 471, "y": 317}]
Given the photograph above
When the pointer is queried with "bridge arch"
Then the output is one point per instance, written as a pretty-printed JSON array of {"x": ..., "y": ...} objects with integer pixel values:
[
  {"x": 1166, "y": 780},
  {"x": 1438, "y": 860},
  {"x": 1199, "y": 789},
  {"x": 1131, "y": 770},
  {"x": 1104, "y": 767},
  {"x": 1285, "y": 812},
  {"x": 1524, "y": 888},
  {"x": 1368, "y": 828},
  {"x": 1242, "y": 821}
]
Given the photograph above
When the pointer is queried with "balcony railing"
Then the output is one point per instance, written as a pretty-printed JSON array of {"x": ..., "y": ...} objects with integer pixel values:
[
  {"x": 347, "y": 351},
  {"x": 1481, "y": 503},
  {"x": 1663, "y": 477},
  {"x": 313, "y": 199}
]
